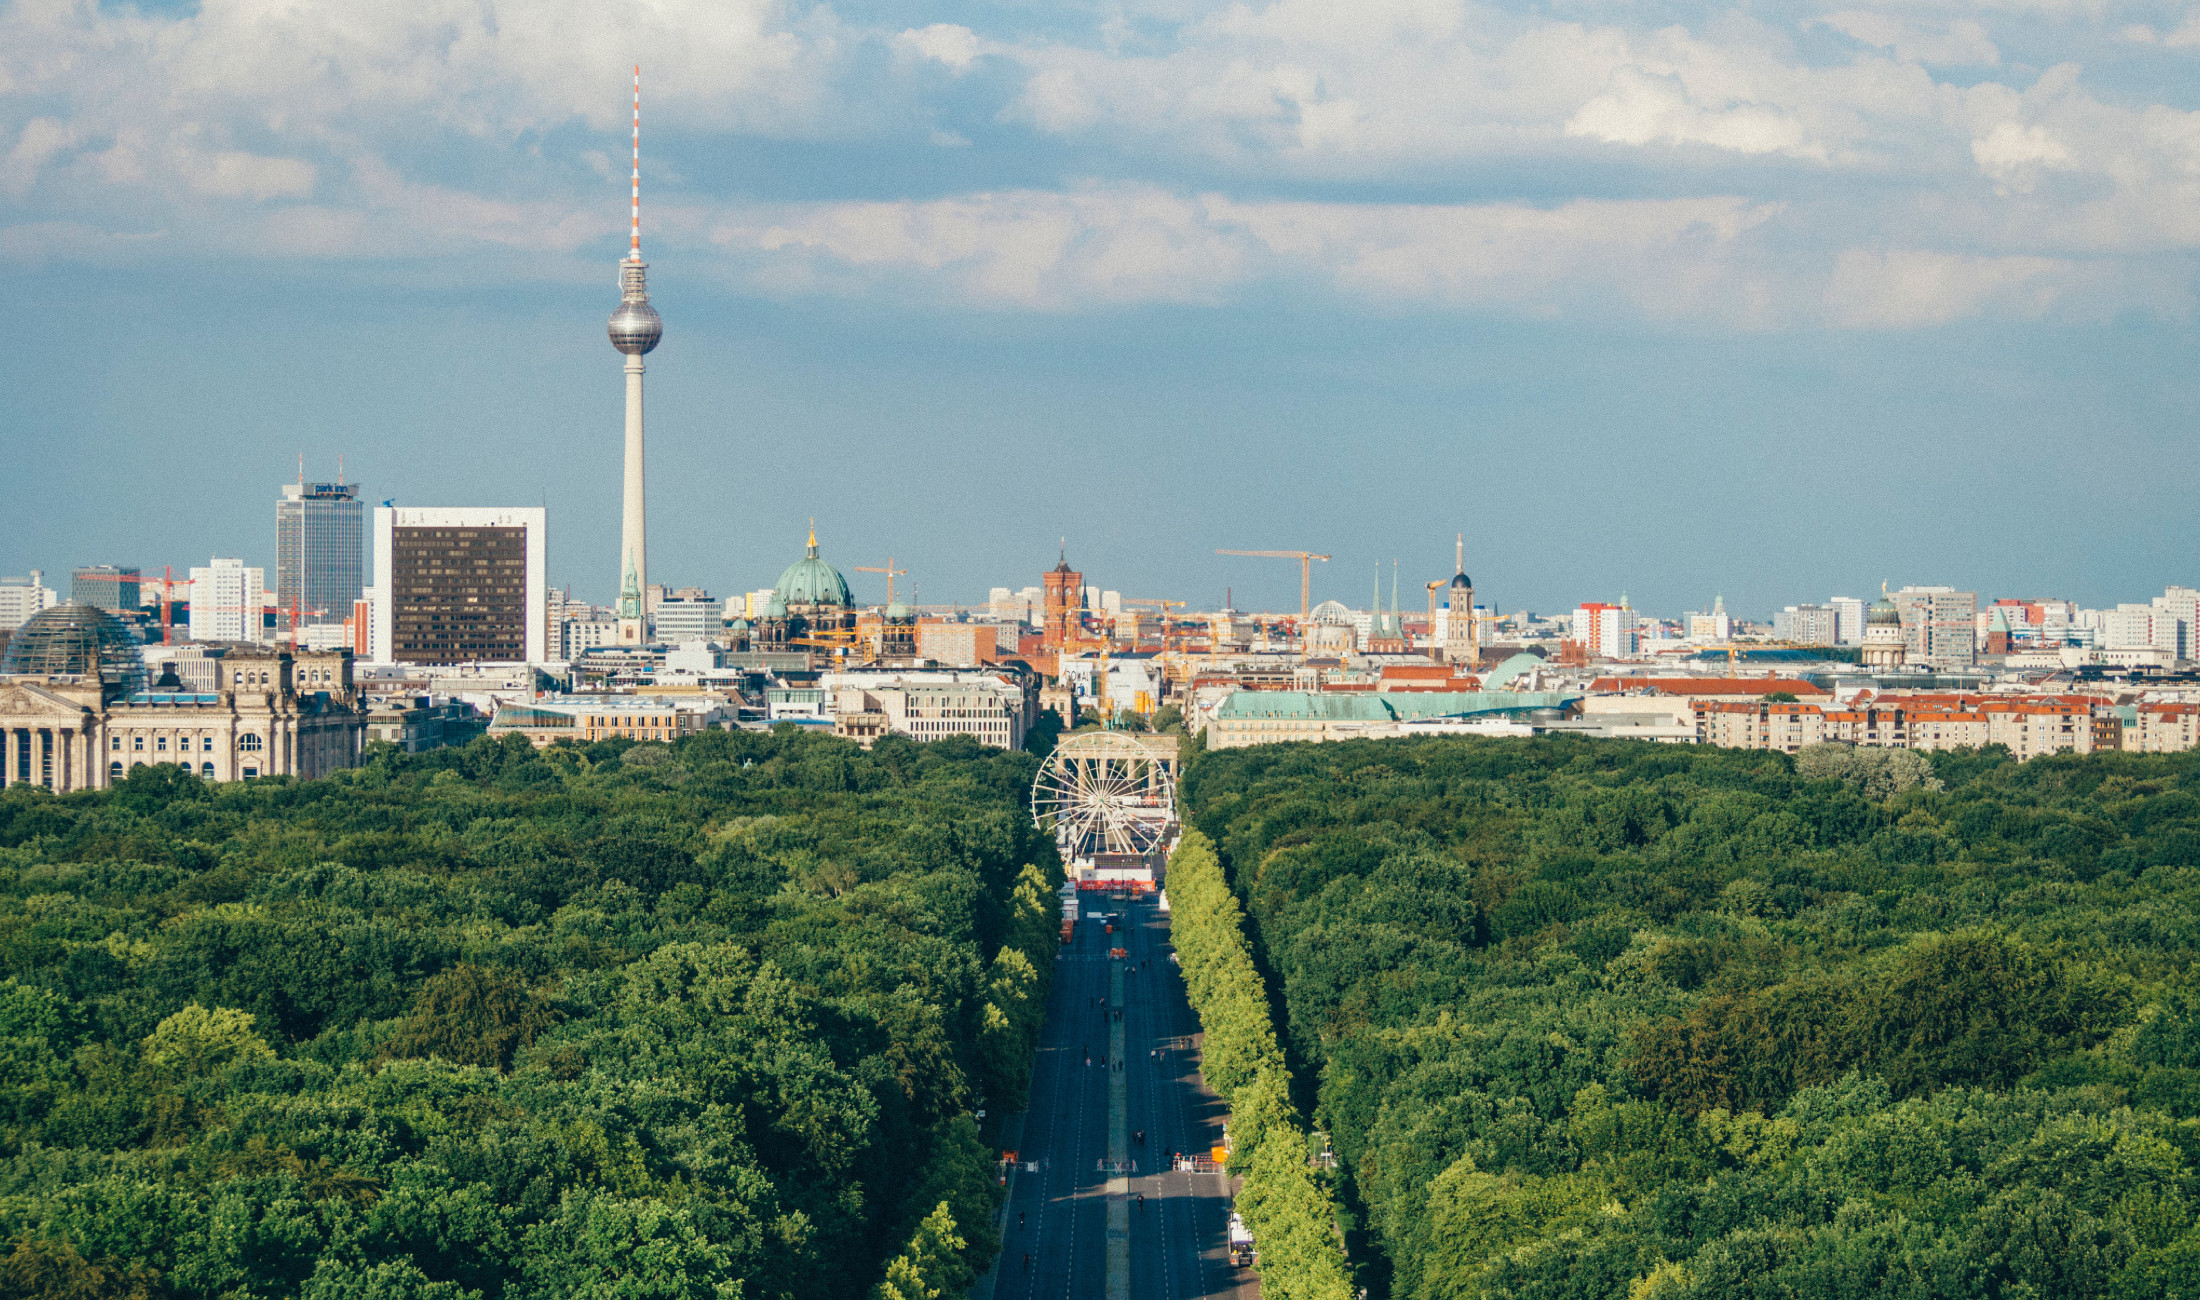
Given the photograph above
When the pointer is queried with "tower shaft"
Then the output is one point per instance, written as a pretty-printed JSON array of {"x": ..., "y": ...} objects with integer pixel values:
[{"x": 633, "y": 517}]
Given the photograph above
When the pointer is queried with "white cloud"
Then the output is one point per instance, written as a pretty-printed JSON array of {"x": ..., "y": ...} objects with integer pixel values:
[
  {"x": 957, "y": 47},
  {"x": 1909, "y": 288},
  {"x": 1960, "y": 42},
  {"x": 2014, "y": 155},
  {"x": 1042, "y": 250},
  {"x": 232, "y": 174},
  {"x": 1641, "y": 107},
  {"x": 1465, "y": 155},
  {"x": 41, "y": 139}
]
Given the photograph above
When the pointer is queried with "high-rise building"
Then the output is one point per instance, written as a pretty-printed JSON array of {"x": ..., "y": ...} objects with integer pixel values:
[
  {"x": 227, "y": 599},
  {"x": 2179, "y": 621},
  {"x": 1607, "y": 630},
  {"x": 1939, "y": 626},
  {"x": 689, "y": 616},
  {"x": 635, "y": 328},
  {"x": 105, "y": 586},
  {"x": 1716, "y": 626},
  {"x": 1848, "y": 620},
  {"x": 21, "y": 598},
  {"x": 460, "y": 585},
  {"x": 319, "y": 536},
  {"x": 1807, "y": 624}
]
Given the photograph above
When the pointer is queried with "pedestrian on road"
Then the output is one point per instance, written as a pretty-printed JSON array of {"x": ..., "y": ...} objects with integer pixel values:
[
  {"x": 1141, "y": 1137},
  {"x": 1019, "y": 1220},
  {"x": 1141, "y": 1200}
]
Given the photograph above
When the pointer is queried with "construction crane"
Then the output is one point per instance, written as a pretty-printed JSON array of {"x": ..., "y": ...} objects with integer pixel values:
[
  {"x": 1164, "y": 606},
  {"x": 891, "y": 573},
  {"x": 1306, "y": 576},
  {"x": 167, "y": 582}
]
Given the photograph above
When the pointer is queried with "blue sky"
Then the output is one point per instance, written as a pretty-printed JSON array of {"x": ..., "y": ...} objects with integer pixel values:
[{"x": 1780, "y": 301}]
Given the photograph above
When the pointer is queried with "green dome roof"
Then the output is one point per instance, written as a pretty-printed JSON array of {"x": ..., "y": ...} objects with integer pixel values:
[
  {"x": 811, "y": 581},
  {"x": 1883, "y": 613}
]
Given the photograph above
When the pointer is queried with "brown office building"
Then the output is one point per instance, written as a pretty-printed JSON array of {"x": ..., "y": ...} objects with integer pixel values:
[{"x": 459, "y": 586}]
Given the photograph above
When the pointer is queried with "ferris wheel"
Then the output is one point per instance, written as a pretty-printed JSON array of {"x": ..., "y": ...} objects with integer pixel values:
[{"x": 1107, "y": 792}]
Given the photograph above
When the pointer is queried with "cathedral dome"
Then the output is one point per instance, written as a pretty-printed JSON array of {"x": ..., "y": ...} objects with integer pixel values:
[
  {"x": 811, "y": 581},
  {"x": 1460, "y": 579},
  {"x": 76, "y": 640},
  {"x": 1883, "y": 613}
]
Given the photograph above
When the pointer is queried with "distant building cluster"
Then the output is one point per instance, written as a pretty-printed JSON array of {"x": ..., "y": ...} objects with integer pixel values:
[{"x": 419, "y": 626}]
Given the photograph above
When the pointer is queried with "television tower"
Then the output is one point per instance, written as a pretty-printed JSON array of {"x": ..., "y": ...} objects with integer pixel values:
[{"x": 635, "y": 328}]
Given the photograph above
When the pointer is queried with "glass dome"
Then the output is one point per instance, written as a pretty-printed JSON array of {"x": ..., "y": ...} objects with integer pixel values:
[{"x": 76, "y": 640}]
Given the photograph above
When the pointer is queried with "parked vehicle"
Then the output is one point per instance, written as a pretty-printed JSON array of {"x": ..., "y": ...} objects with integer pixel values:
[{"x": 1242, "y": 1253}]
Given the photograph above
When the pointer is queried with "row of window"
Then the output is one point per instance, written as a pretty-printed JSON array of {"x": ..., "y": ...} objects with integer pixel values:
[{"x": 247, "y": 742}]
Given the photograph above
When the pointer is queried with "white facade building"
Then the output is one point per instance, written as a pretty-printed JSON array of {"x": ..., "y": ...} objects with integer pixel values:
[
  {"x": 2178, "y": 614},
  {"x": 681, "y": 620},
  {"x": 1716, "y": 626},
  {"x": 1807, "y": 624},
  {"x": 2132, "y": 626},
  {"x": 927, "y": 705},
  {"x": 579, "y": 634},
  {"x": 1848, "y": 620},
  {"x": 22, "y": 597},
  {"x": 227, "y": 597}
]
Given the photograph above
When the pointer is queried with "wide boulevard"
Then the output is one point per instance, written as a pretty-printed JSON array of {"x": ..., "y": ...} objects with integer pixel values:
[{"x": 1115, "y": 1094}]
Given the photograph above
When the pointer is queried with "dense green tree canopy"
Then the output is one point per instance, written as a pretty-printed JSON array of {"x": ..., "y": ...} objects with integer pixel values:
[
  {"x": 1601, "y": 1019},
  {"x": 700, "y": 1020}
]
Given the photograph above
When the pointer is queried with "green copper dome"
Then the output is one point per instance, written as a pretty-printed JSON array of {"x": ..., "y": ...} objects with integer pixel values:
[{"x": 811, "y": 581}]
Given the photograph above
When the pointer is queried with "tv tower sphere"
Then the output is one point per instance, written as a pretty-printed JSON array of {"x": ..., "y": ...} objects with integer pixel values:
[{"x": 635, "y": 327}]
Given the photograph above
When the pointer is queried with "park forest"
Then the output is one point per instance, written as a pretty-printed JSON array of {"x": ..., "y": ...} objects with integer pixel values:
[
  {"x": 1619, "y": 1021},
  {"x": 671, "y": 1022}
]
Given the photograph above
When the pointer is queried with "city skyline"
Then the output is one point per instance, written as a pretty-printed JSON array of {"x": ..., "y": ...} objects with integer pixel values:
[{"x": 1780, "y": 398}]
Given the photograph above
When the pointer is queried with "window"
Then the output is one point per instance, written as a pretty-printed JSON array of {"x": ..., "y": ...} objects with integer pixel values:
[
  {"x": 114, "y": 769},
  {"x": 160, "y": 742},
  {"x": 249, "y": 743},
  {"x": 137, "y": 742},
  {"x": 250, "y": 772},
  {"x": 207, "y": 745},
  {"x": 114, "y": 742},
  {"x": 207, "y": 770}
]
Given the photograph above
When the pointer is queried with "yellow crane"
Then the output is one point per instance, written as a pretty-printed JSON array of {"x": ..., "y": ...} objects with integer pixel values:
[
  {"x": 891, "y": 573},
  {"x": 1306, "y": 575}
]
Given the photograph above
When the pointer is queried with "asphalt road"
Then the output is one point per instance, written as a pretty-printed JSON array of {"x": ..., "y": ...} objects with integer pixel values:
[{"x": 1059, "y": 1251}]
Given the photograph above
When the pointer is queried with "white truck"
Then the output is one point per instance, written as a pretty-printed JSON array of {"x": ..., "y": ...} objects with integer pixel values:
[{"x": 1241, "y": 1243}]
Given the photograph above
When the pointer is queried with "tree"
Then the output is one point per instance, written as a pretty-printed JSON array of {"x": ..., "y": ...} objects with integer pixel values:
[
  {"x": 470, "y": 1015},
  {"x": 931, "y": 1266}
]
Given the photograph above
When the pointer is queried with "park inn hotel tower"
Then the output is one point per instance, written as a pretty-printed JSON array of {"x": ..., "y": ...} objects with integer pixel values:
[{"x": 634, "y": 328}]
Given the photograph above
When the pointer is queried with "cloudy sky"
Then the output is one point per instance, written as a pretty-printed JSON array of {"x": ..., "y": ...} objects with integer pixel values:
[{"x": 1779, "y": 300}]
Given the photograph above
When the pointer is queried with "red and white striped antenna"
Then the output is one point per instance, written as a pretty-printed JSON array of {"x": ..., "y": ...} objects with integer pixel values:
[{"x": 634, "y": 253}]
